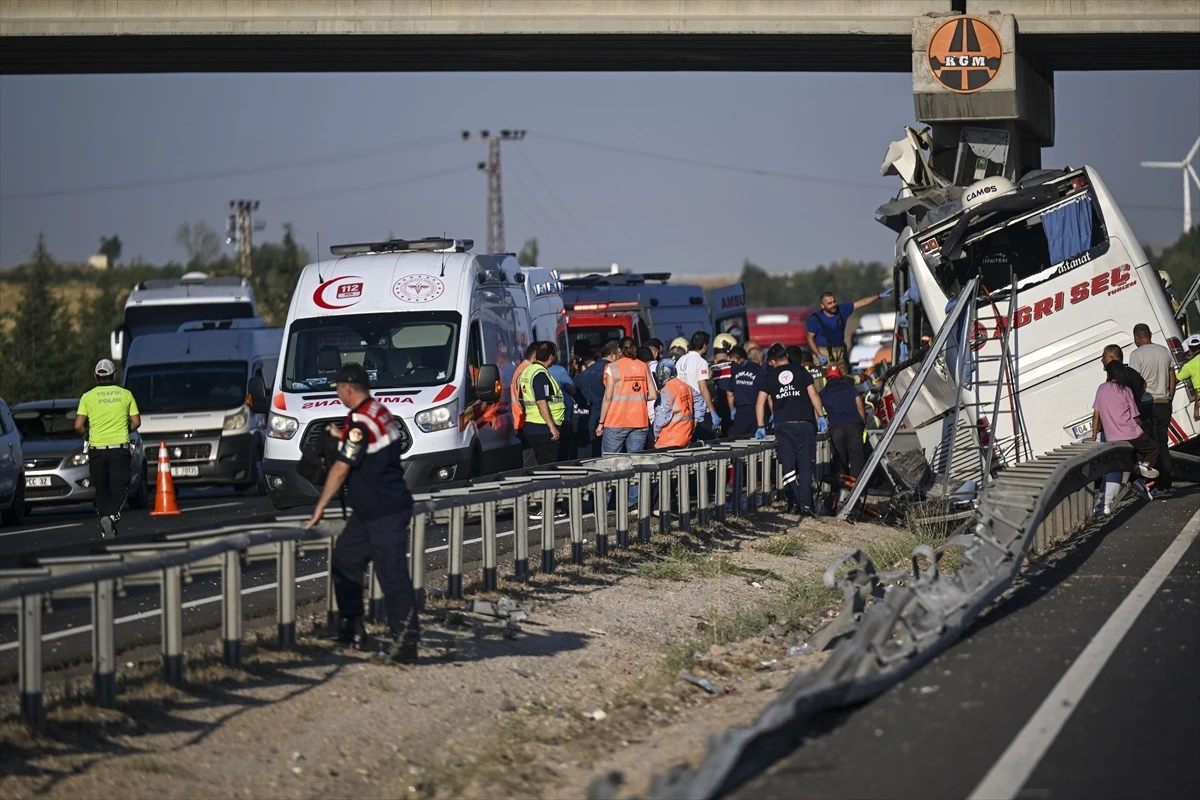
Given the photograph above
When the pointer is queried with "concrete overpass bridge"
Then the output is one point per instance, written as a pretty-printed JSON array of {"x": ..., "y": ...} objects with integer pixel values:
[{"x": 77, "y": 36}]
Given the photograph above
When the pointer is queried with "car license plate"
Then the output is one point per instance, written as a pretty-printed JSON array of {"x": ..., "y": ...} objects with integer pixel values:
[
  {"x": 1082, "y": 430},
  {"x": 185, "y": 472},
  {"x": 37, "y": 480}
]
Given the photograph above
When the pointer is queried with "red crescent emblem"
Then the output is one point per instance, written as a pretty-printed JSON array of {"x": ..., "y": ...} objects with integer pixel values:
[{"x": 320, "y": 298}]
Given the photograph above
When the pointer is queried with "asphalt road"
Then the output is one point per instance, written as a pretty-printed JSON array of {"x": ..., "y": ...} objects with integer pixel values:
[{"x": 1065, "y": 690}]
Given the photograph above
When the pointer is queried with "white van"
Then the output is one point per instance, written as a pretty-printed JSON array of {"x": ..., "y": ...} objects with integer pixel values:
[
  {"x": 162, "y": 305},
  {"x": 543, "y": 290},
  {"x": 874, "y": 331},
  {"x": 191, "y": 388},
  {"x": 440, "y": 332},
  {"x": 1083, "y": 282}
]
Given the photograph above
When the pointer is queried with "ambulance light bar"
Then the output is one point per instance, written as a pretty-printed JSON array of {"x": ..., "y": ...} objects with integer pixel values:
[
  {"x": 602, "y": 306},
  {"x": 430, "y": 244}
]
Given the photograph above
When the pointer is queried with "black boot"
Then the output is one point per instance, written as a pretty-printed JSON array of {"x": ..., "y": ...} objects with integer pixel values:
[{"x": 351, "y": 632}]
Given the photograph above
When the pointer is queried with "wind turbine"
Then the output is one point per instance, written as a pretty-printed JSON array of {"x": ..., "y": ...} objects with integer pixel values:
[{"x": 1186, "y": 168}]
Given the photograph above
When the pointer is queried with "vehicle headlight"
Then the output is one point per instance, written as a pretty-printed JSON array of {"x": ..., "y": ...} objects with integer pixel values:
[
  {"x": 78, "y": 460},
  {"x": 281, "y": 427},
  {"x": 438, "y": 419},
  {"x": 236, "y": 420}
]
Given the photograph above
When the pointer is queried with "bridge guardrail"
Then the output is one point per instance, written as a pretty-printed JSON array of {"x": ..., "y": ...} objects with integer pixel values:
[
  {"x": 671, "y": 475},
  {"x": 886, "y": 632}
]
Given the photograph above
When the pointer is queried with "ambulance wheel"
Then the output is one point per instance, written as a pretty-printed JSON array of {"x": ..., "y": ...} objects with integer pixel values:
[
  {"x": 257, "y": 484},
  {"x": 475, "y": 465}
]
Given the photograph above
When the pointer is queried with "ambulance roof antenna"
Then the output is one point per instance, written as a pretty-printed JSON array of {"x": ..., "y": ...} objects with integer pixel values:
[
  {"x": 319, "y": 278},
  {"x": 443, "y": 258},
  {"x": 1186, "y": 168}
]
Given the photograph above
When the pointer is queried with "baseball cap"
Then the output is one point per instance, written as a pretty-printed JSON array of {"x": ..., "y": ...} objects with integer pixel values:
[
  {"x": 833, "y": 372},
  {"x": 355, "y": 375},
  {"x": 1192, "y": 341},
  {"x": 104, "y": 368}
]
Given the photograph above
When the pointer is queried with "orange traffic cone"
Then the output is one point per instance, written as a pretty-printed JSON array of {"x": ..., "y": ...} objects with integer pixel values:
[{"x": 164, "y": 499}]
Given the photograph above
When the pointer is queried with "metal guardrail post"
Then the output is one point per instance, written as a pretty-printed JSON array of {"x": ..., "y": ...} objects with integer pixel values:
[
  {"x": 600, "y": 504},
  {"x": 576, "y": 524},
  {"x": 753, "y": 472},
  {"x": 664, "y": 500},
  {"x": 285, "y": 593},
  {"x": 490, "y": 579},
  {"x": 104, "y": 649},
  {"x": 331, "y": 606},
  {"x": 702, "y": 470},
  {"x": 548, "y": 530},
  {"x": 622, "y": 512},
  {"x": 454, "y": 581},
  {"x": 739, "y": 485},
  {"x": 417, "y": 559},
  {"x": 172, "y": 624},
  {"x": 521, "y": 537},
  {"x": 722, "y": 488},
  {"x": 231, "y": 607},
  {"x": 685, "y": 498},
  {"x": 772, "y": 477},
  {"x": 33, "y": 710},
  {"x": 644, "y": 497}
]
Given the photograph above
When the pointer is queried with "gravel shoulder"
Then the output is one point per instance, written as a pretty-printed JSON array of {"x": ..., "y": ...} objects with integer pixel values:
[{"x": 589, "y": 683}]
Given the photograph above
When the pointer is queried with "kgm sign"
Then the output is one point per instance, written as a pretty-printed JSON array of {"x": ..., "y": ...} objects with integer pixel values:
[
  {"x": 965, "y": 54},
  {"x": 338, "y": 293}
]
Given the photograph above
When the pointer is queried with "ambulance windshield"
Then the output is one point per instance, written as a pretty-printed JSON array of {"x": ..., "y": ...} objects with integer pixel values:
[{"x": 398, "y": 350}]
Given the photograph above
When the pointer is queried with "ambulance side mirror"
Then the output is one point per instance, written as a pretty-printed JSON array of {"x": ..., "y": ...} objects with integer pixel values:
[
  {"x": 487, "y": 384},
  {"x": 259, "y": 403}
]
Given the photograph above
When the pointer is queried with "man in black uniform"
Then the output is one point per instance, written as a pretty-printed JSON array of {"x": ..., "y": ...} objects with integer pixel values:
[
  {"x": 369, "y": 443},
  {"x": 798, "y": 416},
  {"x": 742, "y": 395}
]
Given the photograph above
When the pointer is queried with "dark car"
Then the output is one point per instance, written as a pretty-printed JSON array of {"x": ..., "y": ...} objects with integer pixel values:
[
  {"x": 12, "y": 471},
  {"x": 55, "y": 463}
]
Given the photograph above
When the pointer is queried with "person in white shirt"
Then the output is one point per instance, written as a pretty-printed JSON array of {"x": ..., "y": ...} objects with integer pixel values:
[
  {"x": 693, "y": 370},
  {"x": 1154, "y": 363}
]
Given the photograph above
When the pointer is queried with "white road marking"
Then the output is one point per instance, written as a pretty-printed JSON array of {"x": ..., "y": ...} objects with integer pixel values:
[
  {"x": 1009, "y": 774},
  {"x": 40, "y": 530},
  {"x": 207, "y": 508},
  {"x": 201, "y": 601}
]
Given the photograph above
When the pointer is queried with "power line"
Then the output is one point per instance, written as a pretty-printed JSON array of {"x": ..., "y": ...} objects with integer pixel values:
[
  {"x": 300, "y": 197},
  {"x": 570, "y": 217},
  {"x": 698, "y": 162},
  {"x": 196, "y": 177},
  {"x": 567, "y": 244}
]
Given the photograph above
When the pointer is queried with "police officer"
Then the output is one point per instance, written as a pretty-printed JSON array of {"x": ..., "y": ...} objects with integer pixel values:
[
  {"x": 106, "y": 415},
  {"x": 744, "y": 385},
  {"x": 799, "y": 415},
  {"x": 368, "y": 456}
]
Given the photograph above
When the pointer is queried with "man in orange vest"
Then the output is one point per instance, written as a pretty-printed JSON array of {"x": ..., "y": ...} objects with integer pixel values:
[
  {"x": 518, "y": 410},
  {"x": 674, "y": 422},
  {"x": 624, "y": 421}
]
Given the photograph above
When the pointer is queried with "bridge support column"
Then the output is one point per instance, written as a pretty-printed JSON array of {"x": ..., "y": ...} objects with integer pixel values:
[{"x": 991, "y": 112}]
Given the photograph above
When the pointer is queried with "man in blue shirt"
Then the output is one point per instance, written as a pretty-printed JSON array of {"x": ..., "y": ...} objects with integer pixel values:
[
  {"x": 827, "y": 327},
  {"x": 742, "y": 393},
  {"x": 590, "y": 387},
  {"x": 566, "y": 442}
]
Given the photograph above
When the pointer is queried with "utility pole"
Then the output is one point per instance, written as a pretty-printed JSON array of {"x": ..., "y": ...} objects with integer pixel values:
[
  {"x": 240, "y": 231},
  {"x": 495, "y": 199}
]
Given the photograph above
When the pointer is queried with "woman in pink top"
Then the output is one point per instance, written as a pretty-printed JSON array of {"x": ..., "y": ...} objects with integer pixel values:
[{"x": 1115, "y": 412}]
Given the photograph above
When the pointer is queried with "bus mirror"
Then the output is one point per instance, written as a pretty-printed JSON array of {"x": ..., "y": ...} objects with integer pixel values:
[
  {"x": 116, "y": 343},
  {"x": 487, "y": 384},
  {"x": 258, "y": 395}
]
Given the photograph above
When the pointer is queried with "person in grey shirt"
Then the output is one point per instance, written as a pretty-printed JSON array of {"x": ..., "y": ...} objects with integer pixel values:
[{"x": 1156, "y": 366}]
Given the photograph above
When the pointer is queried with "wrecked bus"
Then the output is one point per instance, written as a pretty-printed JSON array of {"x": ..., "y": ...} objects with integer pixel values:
[{"x": 1082, "y": 282}]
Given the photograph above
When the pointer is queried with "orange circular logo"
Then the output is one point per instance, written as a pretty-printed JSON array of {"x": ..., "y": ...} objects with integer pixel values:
[{"x": 965, "y": 54}]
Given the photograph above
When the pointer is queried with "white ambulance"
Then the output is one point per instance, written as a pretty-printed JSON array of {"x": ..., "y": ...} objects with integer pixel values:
[
  {"x": 1083, "y": 282},
  {"x": 440, "y": 332}
]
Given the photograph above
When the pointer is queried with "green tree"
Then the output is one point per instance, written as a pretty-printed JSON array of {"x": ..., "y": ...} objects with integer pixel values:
[
  {"x": 1181, "y": 261},
  {"x": 39, "y": 347},
  {"x": 97, "y": 318},
  {"x": 276, "y": 268},
  {"x": 111, "y": 246},
  {"x": 200, "y": 242},
  {"x": 528, "y": 257}
]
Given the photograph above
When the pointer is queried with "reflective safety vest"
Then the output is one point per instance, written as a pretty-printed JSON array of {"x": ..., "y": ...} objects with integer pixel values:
[
  {"x": 627, "y": 407},
  {"x": 678, "y": 432},
  {"x": 533, "y": 414},
  {"x": 514, "y": 395}
]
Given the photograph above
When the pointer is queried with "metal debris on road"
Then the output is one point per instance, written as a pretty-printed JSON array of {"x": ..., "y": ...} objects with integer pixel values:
[{"x": 703, "y": 683}]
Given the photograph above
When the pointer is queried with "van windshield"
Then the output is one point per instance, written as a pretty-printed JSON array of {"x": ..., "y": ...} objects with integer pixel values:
[
  {"x": 196, "y": 386},
  {"x": 596, "y": 335},
  {"x": 398, "y": 350},
  {"x": 1035, "y": 235},
  {"x": 167, "y": 318}
]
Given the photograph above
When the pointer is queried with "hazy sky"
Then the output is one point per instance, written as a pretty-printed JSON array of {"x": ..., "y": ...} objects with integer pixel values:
[{"x": 352, "y": 157}]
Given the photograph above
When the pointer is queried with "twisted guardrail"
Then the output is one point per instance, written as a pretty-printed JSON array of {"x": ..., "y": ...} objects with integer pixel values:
[
  {"x": 893, "y": 622},
  {"x": 668, "y": 478}
]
